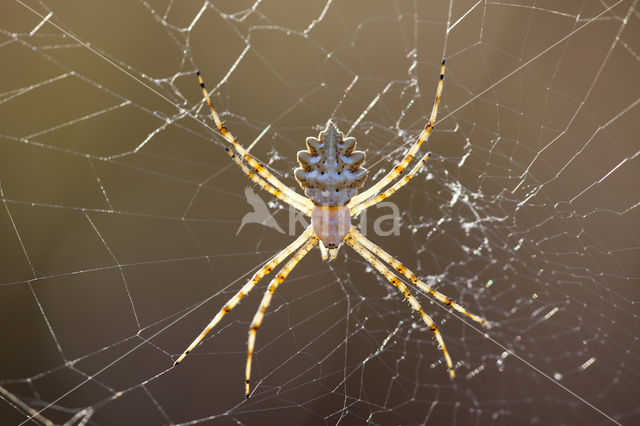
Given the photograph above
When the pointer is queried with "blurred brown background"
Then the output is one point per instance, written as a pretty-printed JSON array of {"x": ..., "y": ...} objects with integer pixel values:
[{"x": 119, "y": 211}]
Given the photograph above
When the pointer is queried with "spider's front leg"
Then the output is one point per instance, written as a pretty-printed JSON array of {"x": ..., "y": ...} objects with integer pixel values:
[
  {"x": 400, "y": 268},
  {"x": 395, "y": 281},
  {"x": 368, "y": 250},
  {"x": 231, "y": 303},
  {"x": 266, "y": 300}
]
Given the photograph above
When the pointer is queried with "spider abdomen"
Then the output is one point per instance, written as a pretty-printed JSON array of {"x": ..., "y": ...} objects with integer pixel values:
[{"x": 330, "y": 170}]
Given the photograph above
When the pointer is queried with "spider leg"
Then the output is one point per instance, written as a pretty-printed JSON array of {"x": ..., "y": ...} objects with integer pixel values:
[
  {"x": 369, "y": 245},
  {"x": 266, "y": 299},
  {"x": 231, "y": 303},
  {"x": 266, "y": 186},
  {"x": 398, "y": 169},
  {"x": 249, "y": 159},
  {"x": 376, "y": 263},
  {"x": 389, "y": 191}
]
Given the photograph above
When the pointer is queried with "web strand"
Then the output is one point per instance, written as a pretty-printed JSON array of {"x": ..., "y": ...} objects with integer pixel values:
[{"x": 127, "y": 227}]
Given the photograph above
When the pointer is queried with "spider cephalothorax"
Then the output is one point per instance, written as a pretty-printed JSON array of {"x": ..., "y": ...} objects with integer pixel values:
[{"x": 331, "y": 173}]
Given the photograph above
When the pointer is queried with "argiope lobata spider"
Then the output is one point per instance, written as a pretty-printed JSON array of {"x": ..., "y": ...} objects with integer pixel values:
[{"x": 330, "y": 173}]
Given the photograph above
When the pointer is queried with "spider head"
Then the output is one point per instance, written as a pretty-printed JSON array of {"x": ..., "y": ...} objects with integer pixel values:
[
  {"x": 329, "y": 253},
  {"x": 331, "y": 225}
]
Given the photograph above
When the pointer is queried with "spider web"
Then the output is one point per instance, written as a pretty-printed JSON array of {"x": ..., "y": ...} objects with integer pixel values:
[{"x": 119, "y": 211}]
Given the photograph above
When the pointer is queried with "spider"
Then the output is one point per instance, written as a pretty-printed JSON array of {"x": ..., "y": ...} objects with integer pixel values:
[{"x": 330, "y": 173}]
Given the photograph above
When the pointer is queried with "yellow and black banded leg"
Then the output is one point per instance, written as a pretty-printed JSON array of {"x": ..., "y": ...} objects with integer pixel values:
[
  {"x": 389, "y": 191},
  {"x": 266, "y": 186},
  {"x": 273, "y": 285},
  {"x": 395, "y": 281},
  {"x": 399, "y": 168},
  {"x": 254, "y": 164},
  {"x": 400, "y": 268},
  {"x": 231, "y": 303}
]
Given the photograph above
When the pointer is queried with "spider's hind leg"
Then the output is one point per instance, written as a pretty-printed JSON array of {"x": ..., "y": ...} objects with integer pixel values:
[
  {"x": 252, "y": 174},
  {"x": 402, "y": 165},
  {"x": 290, "y": 196}
]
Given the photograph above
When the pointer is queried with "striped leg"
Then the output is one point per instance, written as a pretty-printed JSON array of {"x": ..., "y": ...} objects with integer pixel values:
[
  {"x": 376, "y": 263},
  {"x": 273, "y": 285},
  {"x": 266, "y": 186},
  {"x": 248, "y": 287},
  {"x": 389, "y": 192},
  {"x": 393, "y": 173},
  {"x": 412, "y": 277},
  {"x": 250, "y": 160}
]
